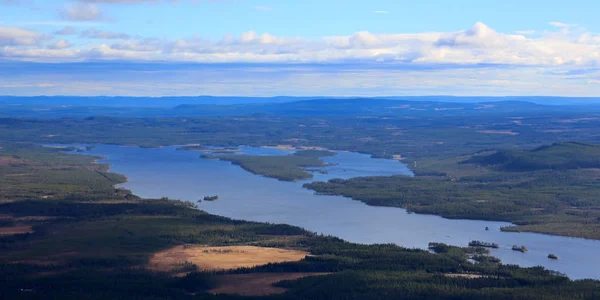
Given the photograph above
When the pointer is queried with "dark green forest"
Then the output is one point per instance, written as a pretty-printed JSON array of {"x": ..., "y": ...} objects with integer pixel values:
[
  {"x": 559, "y": 156},
  {"x": 550, "y": 189},
  {"x": 81, "y": 237},
  {"x": 91, "y": 240}
]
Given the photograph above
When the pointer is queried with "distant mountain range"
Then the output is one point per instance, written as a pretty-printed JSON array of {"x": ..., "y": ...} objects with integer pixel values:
[
  {"x": 79, "y": 107},
  {"x": 198, "y": 100}
]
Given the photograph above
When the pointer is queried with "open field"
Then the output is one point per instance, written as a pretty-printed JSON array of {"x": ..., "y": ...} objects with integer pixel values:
[
  {"x": 255, "y": 284},
  {"x": 208, "y": 258}
]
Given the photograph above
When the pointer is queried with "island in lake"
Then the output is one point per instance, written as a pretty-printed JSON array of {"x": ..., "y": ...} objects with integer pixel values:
[
  {"x": 211, "y": 198},
  {"x": 483, "y": 244},
  {"x": 291, "y": 167},
  {"x": 519, "y": 248}
]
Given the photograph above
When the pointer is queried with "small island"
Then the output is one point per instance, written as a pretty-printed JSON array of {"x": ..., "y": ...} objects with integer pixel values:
[
  {"x": 552, "y": 256},
  {"x": 211, "y": 198},
  {"x": 519, "y": 248},
  {"x": 483, "y": 244},
  {"x": 296, "y": 166}
]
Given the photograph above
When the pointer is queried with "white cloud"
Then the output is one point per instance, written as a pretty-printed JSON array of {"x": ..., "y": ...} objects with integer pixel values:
[
  {"x": 381, "y": 12},
  {"x": 525, "y": 32},
  {"x": 82, "y": 12},
  {"x": 13, "y": 36},
  {"x": 60, "y": 44},
  {"x": 478, "y": 44}
]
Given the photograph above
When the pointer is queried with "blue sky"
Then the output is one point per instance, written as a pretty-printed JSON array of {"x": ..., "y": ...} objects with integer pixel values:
[{"x": 278, "y": 47}]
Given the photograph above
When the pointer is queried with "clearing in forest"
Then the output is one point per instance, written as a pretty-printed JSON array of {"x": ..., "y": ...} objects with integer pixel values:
[{"x": 221, "y": 258}]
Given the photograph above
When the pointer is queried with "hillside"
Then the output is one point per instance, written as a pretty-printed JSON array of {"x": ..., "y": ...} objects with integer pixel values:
[{"x": 558, "y": 156}]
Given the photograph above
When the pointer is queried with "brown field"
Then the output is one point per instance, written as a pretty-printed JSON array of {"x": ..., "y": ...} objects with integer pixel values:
[
  {"x": 506, "y": 132},
  {"x": 255, "y": 284},
  {"x": 17, "y": 229},
  {"x": 221, "y": 258}
]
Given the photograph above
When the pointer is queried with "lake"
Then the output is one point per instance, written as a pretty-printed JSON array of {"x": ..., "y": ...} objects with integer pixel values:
[{"x": 167, "y": 172}]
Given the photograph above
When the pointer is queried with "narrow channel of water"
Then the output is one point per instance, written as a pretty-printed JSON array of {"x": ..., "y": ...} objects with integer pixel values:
[{"x": 184, "y": 175}]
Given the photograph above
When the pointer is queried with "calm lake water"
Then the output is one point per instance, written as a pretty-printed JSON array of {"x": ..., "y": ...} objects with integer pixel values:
[{"x": 184, "y": 175}]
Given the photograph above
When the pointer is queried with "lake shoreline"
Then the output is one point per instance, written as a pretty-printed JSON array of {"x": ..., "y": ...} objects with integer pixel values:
[{"x": 234, "y": 204}]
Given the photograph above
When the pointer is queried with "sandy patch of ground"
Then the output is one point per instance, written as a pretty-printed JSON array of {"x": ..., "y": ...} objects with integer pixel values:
[
  {"x": 17, "y": 229},
  {"x": 506, "y": 132},
  {"x": 220, "y": 258},
  {"x": 255, "y": 284}
]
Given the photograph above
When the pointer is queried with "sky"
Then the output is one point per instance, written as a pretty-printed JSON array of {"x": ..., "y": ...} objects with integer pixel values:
[{"x": 299, "y": 48}]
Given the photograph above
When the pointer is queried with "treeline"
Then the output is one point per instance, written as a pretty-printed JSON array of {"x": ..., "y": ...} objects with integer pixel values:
[{"x": 559, "y": 156}]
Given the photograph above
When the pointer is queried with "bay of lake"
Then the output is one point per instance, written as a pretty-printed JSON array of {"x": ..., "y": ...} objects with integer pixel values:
[{"x": 167, "y": 172}]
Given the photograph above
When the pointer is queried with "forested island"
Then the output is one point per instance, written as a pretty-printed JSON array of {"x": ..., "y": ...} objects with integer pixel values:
[
  {"x": 74, "y": 235},
  {"x": 483, "y": 244},
  {"x": 211, "y": 198},
  {"x": 291, "y": 167},
  {"x": 519, "y": 248}
]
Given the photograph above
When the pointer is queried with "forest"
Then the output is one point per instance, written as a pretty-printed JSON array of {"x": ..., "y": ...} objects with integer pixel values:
[
  {"x": 72, "y": 234},
  {"x": 558, "y": 156},
  {"x": 551, "y": 189},
  {"x": 87, "y": 239}
]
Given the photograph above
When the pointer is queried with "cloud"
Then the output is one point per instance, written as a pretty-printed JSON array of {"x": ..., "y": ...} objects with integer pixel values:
[
  {"x": 474, "y": 46},
  {"x": 82, "y": 12},
  {"x": 60, "y": 44},
  {"x": 150, "y": 79},
  {"x": 381, "y": 12},
  {"x": 13, "y": 36},
  {"x": 67, "y": 30},
  {"x": 107, "y": 35},
  {"x": 525, "y": 32}
]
